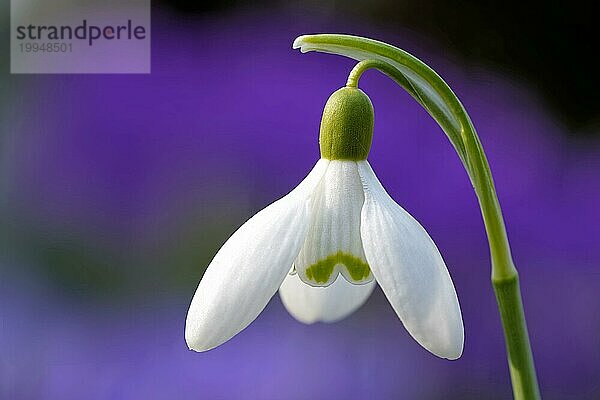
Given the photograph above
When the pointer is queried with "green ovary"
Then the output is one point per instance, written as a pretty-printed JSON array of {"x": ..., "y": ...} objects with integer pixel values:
[{"x": 322, "y": 269}]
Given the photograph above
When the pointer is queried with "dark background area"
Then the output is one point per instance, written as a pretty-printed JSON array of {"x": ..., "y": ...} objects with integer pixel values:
[{"x": 551, "y": 45}]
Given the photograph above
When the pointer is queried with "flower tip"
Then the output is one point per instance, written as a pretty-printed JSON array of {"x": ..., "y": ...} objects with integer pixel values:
[
  {"x": 195, "y": 341},
  {"x": 298, "y": 42},
  {"x": 455, "y": 355},
  {"x": 191, "y": 348},
  {"x": 191, "y": 343},
  {"x": 452, "y": 351},
  {"x": 302, "y": 43},
  {"x": 197, "y": 345}
]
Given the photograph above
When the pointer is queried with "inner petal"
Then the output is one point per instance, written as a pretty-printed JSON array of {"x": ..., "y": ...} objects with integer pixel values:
[{"x": 333, "y": 245}]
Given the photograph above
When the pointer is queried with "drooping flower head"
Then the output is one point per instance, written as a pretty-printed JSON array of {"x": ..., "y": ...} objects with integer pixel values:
[{"x": 326, "y": 244}]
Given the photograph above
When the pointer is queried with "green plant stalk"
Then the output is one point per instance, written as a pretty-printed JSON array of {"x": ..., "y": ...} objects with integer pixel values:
[{"x": 430, "y": 90}]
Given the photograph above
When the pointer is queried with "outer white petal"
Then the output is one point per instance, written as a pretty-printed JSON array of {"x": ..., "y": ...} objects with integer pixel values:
[
  {"x": 410, "y": 270},
  {"x": 333, "y": 245},
  {"x": 310, "y": 304},
  {"x": 249, "y": 268}
]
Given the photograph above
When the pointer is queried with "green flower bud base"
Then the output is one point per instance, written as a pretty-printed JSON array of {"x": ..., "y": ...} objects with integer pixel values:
[{"x": 346, "y": 125}]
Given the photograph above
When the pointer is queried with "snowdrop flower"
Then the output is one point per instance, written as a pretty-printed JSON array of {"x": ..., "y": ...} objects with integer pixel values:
[{"x": 325, "y": 245}]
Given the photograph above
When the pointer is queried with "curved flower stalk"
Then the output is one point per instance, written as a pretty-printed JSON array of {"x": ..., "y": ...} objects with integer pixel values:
[
  {"x": 442, "y": 104},
  {"x": 324, "y": 245}
]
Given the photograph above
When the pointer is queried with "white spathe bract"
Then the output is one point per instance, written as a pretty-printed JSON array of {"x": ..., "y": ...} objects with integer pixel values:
[{"x": 321, "y": 246}]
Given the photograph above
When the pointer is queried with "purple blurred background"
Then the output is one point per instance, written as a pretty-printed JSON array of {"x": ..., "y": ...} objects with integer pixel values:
[{"x": 118, "y": 190}]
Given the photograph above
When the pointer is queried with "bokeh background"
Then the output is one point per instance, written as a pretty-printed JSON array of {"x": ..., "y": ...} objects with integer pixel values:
[{"x": 116, "y": 191}]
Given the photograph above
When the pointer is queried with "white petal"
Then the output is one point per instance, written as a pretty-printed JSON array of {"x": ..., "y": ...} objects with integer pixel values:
[
  {"x": 333, "y": 245},
  {"x": 410, "y": 270},
  {"x": 249, "y": 268},
  {"x": 310, "y": 304}
]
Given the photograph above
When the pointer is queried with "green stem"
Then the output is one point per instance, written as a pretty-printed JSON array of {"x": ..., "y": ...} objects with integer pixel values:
[
  {"x": 520, "y": 361},
  {"x": 430, "y": 90}
]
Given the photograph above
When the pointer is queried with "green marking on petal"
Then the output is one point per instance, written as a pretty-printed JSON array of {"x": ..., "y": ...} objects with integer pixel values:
[{"x": 322, "y": 269}]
